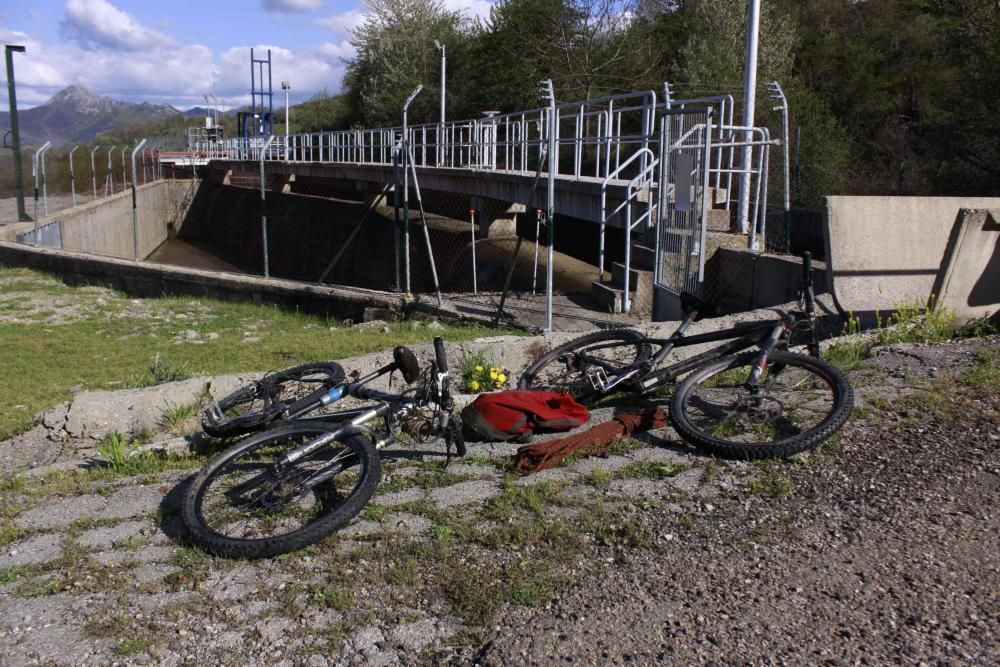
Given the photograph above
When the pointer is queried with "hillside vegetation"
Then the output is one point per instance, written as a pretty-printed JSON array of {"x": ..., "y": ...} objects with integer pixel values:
[{"x": 886, "y": 96}]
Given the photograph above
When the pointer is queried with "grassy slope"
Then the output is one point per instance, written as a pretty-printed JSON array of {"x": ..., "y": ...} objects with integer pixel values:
[{"x": 54, "y": 338}]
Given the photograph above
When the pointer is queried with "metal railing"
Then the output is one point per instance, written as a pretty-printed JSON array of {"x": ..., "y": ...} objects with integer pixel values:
[{"x": 593, "y": 139}]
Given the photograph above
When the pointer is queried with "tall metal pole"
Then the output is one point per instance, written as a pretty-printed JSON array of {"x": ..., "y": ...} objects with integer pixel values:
[
  {"x": 286, "y": 86},
  {"x": 135, "y": 214},
  {"x": 549, "y": 94},
  {"x": 263, "y": 204},
  {"x": 93, "y": 172},
  {"x": 440, "y": 151},
  {"x": 72, "y": 176},
  {"x": 22, "y": 214},
  {"x": 406, "y": 187},
  {"x": 778, "y": 94},
  {"x": 749, "y": 101},
  {"x": 35, "y": 173}
]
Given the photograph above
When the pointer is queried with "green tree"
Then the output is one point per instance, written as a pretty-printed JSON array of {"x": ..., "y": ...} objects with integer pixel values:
[{"x": 394, "y": 53}]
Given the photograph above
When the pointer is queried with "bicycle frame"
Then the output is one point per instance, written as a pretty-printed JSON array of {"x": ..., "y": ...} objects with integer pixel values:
[{"x": 766, "y": 334}]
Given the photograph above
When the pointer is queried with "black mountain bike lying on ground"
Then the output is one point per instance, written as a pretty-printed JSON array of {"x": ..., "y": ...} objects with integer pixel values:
[
  {"x": 293, "y": 485},
  {"x": 769, "y": 402}
]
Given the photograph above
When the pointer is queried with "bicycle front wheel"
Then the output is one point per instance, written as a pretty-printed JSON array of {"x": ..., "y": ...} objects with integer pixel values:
[
  {"x": 799, "y": 402},
  {"x": 576, "y": 367},
  {"x": 244, "y": 505},
  {"x": 258, "y": 404}
]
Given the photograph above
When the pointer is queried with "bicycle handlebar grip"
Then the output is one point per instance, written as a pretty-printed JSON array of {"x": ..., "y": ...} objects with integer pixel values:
[{"x": 442, "y": 358}]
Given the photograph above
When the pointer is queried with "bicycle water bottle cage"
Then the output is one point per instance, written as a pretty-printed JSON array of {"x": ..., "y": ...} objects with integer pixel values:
[{"x": 407, "y": 363}]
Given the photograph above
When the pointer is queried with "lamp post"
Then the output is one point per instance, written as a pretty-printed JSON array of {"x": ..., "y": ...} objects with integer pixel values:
[
  {"x": 22, "y": 215},
  {"x": 440, "y": 47},
  {"x": 286, "y": 86}
]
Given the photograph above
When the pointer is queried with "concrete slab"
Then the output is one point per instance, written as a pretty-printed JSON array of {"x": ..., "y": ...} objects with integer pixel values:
[
  {"x": 969, "y": 280},
  {"x": 883, "y": 251}
]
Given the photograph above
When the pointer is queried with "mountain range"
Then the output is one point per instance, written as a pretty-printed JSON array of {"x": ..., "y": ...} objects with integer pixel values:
[{"x": 77, "y": 114}]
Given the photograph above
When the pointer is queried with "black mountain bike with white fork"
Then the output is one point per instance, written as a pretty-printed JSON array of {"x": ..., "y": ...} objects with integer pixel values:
[
  {"x": 731, "y": 403},
  {"x": 294, "y": 484}
]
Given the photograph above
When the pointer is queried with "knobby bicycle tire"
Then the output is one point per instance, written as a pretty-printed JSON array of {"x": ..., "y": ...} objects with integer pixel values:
[
  {"x": 262, "y": 402},
  {"x": 563, "y": 368},
  {"x": 240, "y": 503},
  {"x": 802, "y": 402}
]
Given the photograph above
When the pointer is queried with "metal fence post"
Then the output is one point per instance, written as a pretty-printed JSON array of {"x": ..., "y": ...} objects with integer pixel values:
[
  {"x": 35, "y": 174},
  {"x": 109, "y": 181},
  {"x": 406, "y": 188},
  {"x": 263, "y": 203},
  {"x": 135, "y": 214},
  {"x": 472, "y": 229},
  {"x": 549, "y": 95},
  {"x": 124, "y": 169},
  {"x": 779, "y": 95},
  {"x": 93, "y": 172},
  {"x": 45, "y": 190},
  {"x": 72, "y": 176}
]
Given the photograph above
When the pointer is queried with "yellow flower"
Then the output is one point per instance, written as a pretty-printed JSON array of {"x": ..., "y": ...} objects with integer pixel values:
[
  {"x": 479, "y": 369},
  {"x": 493, "y": 374},
  {"x": 474, "y": 386},
  {"x": 501, "y": 378}
]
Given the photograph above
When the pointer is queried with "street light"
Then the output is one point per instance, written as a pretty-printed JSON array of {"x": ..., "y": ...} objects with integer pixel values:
[
  {"x": 15, "y": 135},
  {"x": 286, "y": 86},
  {"x": 440, "y": 47}
]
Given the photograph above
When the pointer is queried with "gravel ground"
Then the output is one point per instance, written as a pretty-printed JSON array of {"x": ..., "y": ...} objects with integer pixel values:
[
  {"x": 881, "y": 547},
  {"x": 886, "y": 551}
]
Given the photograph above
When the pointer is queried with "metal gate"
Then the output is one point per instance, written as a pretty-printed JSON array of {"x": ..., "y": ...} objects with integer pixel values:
[{"x": 685, "y": 146}]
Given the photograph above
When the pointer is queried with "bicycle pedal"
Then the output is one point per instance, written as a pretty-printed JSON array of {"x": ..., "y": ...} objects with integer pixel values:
[{"x": 597, "y": 378}]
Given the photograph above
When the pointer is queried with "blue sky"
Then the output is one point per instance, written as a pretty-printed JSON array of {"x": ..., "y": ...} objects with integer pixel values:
[{"x": 174, "y": 52}]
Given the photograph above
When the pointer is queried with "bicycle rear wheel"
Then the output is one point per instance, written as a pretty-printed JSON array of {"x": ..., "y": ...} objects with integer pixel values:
[
  {"x": 243, "y": 505},
  {"x": 263, "y": 402},
  {"x": 800, "y": 402},
  {"x": 568, "y": 368}
]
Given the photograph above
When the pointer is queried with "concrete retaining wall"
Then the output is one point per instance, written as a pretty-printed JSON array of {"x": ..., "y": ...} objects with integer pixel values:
[
  {"x": 886, "y": 251},
  {"x": 739, "y": 280},
  {"x": 104, "y": 227},
  {"x": 969, "y": 280},
  {"x": 143, "y": 279}
]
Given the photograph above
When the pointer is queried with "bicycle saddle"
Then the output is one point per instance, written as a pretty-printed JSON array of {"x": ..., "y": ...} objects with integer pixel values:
[
  {"x": 690, "y": 303},
  {"x": 407, "y": 363}
]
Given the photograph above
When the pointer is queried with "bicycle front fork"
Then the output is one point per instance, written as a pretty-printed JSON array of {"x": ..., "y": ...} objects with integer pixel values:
[{"x": 766, "y": 349}]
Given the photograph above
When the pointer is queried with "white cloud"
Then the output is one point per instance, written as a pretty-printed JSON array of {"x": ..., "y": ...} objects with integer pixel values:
[
  {"x": 308, "y": 70},
  {"x": 292, "y": 5},
  {"x": 99, "y": 23},
  {"x": 344, "y": 23},
  {"x": 470, "y": 8}
]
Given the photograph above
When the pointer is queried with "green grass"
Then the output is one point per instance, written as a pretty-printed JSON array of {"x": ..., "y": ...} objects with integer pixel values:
[
  {"x": 984, "y": 375},
  {"x": 910, "y": 322},
  {"x": 118, "y": 343},
  {"x": 133, "y": 645}
]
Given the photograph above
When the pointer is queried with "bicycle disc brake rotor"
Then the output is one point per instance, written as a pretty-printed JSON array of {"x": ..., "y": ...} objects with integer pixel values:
[{"x": 759, "y": 409}]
